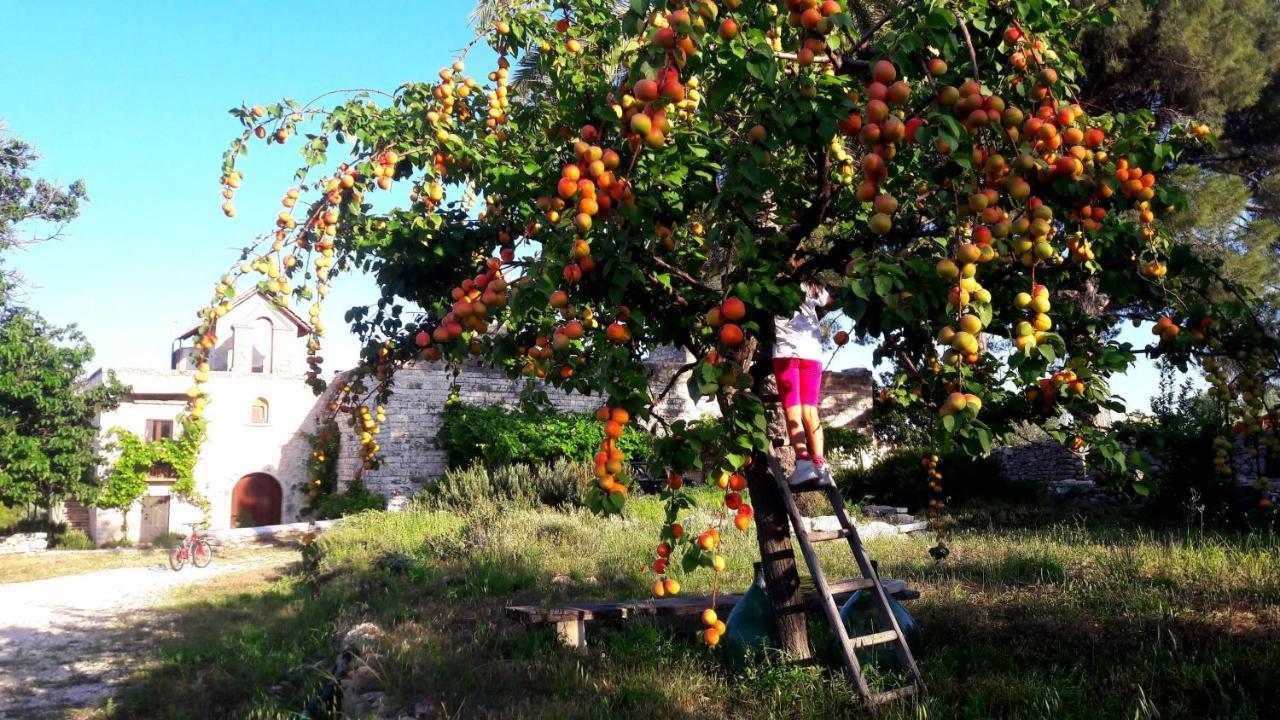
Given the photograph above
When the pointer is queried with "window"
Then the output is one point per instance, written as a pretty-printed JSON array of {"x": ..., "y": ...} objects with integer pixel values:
[
  {"x": 258, "y": 413},
  {"x": 159, "y": 430},
  {"x": 262, "y": 341}
]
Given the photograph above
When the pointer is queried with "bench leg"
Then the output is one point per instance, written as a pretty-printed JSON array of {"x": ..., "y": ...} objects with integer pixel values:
[{"x": 573, "y": 633}]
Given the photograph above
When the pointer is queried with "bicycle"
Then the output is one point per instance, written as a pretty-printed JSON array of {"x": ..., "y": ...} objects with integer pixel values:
[{"x": 193, "y": 548}]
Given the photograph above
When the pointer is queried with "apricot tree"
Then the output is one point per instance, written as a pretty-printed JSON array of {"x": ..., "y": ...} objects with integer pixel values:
[{"x": 665, "y": 172}]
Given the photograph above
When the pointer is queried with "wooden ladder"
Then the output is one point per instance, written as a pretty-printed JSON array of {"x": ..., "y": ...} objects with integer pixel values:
[{"x": 870, "y": 581}]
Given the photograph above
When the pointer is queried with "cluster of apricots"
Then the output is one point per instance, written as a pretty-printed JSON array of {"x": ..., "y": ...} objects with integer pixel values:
[
  {"x": 610, "y": 460},
  {"x": 447, "y": 93},
  {"x": 725, "y": 318},
  {"x": 473, "y": 300},
  {"x": 936, "y": 505},
  {"x": 589, "y": 183},
  {"x": 1166, "y": 329},
  {"x": 733, "y": 485},
  {"x": 1245, "y": 396},
  {"x": 230, "y": 182},
  {"x": 1029, "y": 333},
  {"x": 880, "y": 127},
  {"x": 1049, "y": 389},
  {"x": 369, "y": 423},
  {"x": 815, "y": 17},
  {"x": 715, "y": 627}
]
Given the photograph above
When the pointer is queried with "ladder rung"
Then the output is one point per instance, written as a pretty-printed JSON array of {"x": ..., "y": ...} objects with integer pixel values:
[
  {"x": 815, "y": 485},
  {"x": 873, "y": 639},
  {"x": 845, "y": 586},
  {"x": 825, "y": 535},
  {"x": 891, "y": 695}
]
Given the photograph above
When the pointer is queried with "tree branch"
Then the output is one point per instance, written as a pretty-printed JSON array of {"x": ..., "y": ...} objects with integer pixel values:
[
  {"x": 973, "y": 54},
  {"x": 816, "y": 213}
]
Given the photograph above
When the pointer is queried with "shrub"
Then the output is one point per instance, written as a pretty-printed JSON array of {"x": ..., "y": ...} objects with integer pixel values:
[
  {"x": 845, "y": 443},
  {"x": 560, "y": 482},
  {"x": 1176, "y": 441},
  {"x": 70, "y": 539},
  {"x": 356, "y": 498},
  {"x": 10, "y": 517},
  {"x": 898, "y": 478},
  {"x": 498, "y": 435}
]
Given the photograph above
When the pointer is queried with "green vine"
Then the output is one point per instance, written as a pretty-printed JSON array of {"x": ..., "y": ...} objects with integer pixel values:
[
  {"x": 324, "y": 500},
  {"x": 127, "y": 479},
  {"x": 322, "y": 465}
]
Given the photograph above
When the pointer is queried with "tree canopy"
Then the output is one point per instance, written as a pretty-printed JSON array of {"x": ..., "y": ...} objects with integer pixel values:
[
  {"x": 667, "y": 172},
  {"x": 48, "y": 417}
]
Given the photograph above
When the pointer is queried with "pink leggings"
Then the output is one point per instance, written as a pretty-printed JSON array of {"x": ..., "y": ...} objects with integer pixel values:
[{"x": 799, "y": 381}]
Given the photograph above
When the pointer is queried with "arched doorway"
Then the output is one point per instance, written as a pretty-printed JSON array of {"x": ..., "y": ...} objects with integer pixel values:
[{"x": 255, "y": 501}]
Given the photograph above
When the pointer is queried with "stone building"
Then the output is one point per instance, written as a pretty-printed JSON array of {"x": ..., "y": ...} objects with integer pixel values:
[
  {"x": 253, "y": 463},
  {"x": 254, "y": 453}
]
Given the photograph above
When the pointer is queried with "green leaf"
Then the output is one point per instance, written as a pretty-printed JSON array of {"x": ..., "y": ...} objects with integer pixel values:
[{"x": 884, "y": 285}]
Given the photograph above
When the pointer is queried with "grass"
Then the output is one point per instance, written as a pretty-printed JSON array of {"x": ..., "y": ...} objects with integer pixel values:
[{"x": 1032, "y": 616}]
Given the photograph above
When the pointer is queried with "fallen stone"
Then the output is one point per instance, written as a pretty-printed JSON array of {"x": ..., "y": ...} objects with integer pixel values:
[
  {"x": 363, "y": 638},
  {"x": 882, "y": 510}
]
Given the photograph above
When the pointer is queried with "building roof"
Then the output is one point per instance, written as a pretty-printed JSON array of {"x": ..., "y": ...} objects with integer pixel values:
[{"x": 291, "y": 316}]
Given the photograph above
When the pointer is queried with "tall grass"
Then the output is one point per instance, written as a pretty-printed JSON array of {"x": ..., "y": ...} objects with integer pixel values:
[{"x": 1071, "y": 618}]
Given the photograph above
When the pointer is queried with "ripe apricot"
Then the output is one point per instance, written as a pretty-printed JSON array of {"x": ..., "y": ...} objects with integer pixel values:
[
  {"x": 731, "y": 335},
  {"x": 646, "y": 90},
  {"x": 884, "y": 72},
  {"x": 733, "y": 309}
]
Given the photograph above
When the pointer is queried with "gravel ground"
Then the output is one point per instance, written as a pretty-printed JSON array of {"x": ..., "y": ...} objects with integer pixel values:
[{"x": 66, "y": 641}]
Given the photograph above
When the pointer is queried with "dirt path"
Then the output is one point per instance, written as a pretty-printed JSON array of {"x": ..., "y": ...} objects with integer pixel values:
[{"x": 65, "y": 641}]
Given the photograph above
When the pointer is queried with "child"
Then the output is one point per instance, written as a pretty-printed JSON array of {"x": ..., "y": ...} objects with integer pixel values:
[{"x": 797, "y": 365}]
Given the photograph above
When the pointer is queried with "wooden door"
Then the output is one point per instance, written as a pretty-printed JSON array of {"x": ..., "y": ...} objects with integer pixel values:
[
  {"x": 155, "y": 517},
  {"x": 255, "y": 501}
]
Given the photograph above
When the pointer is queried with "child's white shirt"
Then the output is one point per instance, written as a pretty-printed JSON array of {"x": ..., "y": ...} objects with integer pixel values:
[{"x": 798, "y": 336}]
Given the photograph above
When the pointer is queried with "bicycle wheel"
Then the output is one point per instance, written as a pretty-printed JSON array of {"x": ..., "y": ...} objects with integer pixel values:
[
  {"x": 178, "y": 556},
  {"x": 201, "y": 553}
]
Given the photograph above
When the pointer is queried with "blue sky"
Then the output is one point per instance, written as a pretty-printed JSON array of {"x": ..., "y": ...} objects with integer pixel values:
[{"x": 133, "y": 96}]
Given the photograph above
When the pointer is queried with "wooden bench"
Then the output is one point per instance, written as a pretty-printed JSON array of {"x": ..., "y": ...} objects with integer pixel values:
[{"x": 571, "y": 620}]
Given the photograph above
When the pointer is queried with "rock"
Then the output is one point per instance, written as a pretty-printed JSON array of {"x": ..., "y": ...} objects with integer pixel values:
[
  {"x": 361, "y": 680},
  {"x": 882, "y": 510},
  {"x": 866, "y": 530},
  {"x": 363, "y": 638},
  {"x": 876, "y": 529},
  {"x": 424, "y": 710},
  {"x": 21, "y": 543},
  {"x": 363, "y": 705}
]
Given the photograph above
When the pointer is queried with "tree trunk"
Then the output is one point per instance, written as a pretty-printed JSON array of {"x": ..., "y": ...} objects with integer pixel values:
[{"x": 773, "y": 528}]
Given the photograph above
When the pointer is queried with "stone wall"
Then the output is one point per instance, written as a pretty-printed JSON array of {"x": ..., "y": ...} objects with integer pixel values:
[
  {"x": 411, "y": 458},
  {"x": 1046, "y": 462}
]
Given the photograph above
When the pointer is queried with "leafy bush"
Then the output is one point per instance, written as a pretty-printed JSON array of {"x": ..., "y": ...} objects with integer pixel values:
[
  {"x": 1176, "y": 441},
  {"x": 356, "y": 498},
  {"x": 560, "y": 482},
  {"x": 898, "y": 478},
  {"x": 845, "y": 443},
  {"x": 67, "y": 538},
  {"x": 498, "y": 435},
  {"x": 10, "y": 517}
]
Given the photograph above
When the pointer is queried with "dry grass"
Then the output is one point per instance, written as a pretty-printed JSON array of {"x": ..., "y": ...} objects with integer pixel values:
[{"x": 56, "y": 563}]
